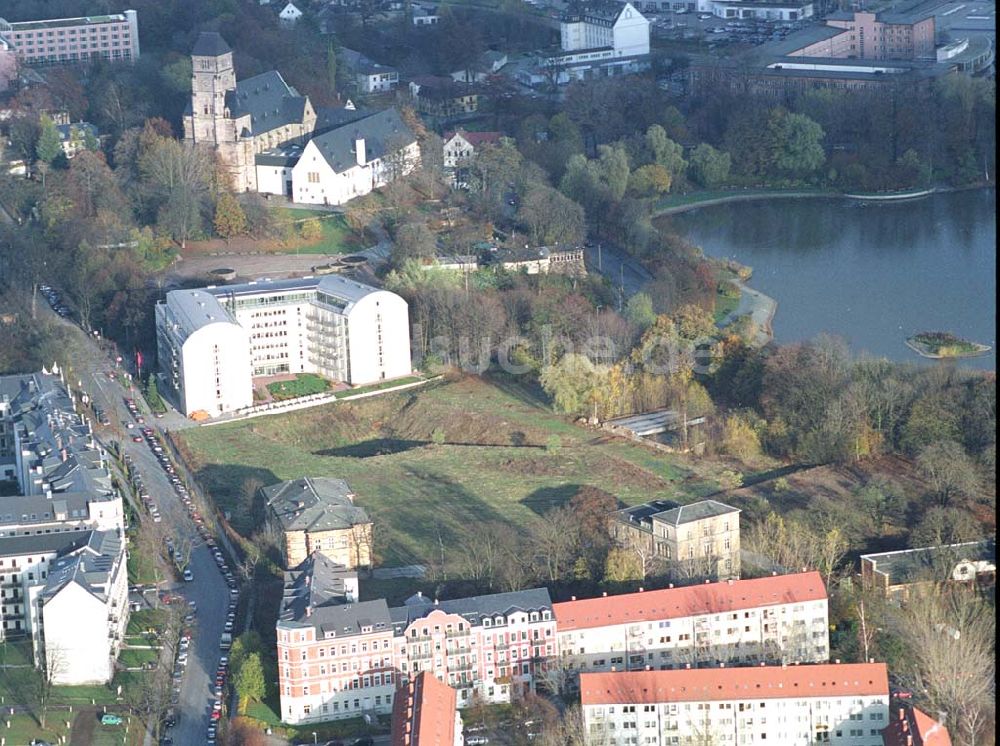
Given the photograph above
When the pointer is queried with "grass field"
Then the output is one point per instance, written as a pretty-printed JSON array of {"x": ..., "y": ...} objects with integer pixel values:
[
  {"x": 23, "y": 729},
  {"x": 493, "y": 466},
  {"x": 334, "y": 238},
  {"x": 303, "y": 385}
]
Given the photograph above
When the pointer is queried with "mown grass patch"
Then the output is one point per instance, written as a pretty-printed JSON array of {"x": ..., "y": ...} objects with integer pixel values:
[{"x": 304, "y": 384}]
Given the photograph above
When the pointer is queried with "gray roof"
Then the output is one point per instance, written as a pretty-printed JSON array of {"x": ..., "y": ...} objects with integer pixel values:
[
  {"x": 380, "y": 131},
  {"x": 210, "y": 44},
  {"x": 61, "y": 543},
  {"x": 925, "y": 563},
  {"x": 72, "y": 504},
  {"x": 66, "y": 130},
  {"x": 317, "y": 583},
  {"x": 286, "y": 156},
  {"x": 92, "y": 566},
  {"x": 473, "y": 609},
  {"x": 195, "y": 308},
  {"x": 314, "y": 504},
  {"x": 359, "y": 63},
  {"x": 268, "y": 100},
  {"x": 57, "y": 441},
  {"x": 330, "y": 118},
  {"x": 344, "y": 620},
  {"x": 672, "y": 513}
]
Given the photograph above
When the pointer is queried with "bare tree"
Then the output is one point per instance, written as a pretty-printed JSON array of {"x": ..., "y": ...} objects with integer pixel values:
[
  {"x": 554, "y": 541},
  {"x": 948, "y": 633},
  {"x": 56, "y": 664}
]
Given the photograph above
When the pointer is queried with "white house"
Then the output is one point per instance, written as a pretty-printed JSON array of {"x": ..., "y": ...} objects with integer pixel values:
[
  {"x": 370, "y": 76},
  {"x": 213, "y": 342},
  {"x": 289, "y": 15},
  {"x": 82, "y": 612},
  {"x": 460, "y": 146},
  {"x": 353, "y": 160},
  {"x": 774, "y": 619},
  {"x": 425, "y": 15},
  {"x": 840, "y": 704}
]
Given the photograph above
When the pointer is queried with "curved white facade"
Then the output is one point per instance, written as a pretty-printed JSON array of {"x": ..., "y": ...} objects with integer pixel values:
[{"x": 214, "y": 341}]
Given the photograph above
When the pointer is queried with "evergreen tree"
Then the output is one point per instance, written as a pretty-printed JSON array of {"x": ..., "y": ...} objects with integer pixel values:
[{"x": 48, "y": 146}]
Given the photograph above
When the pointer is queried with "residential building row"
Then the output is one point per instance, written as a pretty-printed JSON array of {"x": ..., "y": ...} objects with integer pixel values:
[
  {"x": 340, "y": 658},
  {"x": 63, "y": 557},
  {"x": 273, "y": 141},
  {"x": 794, "y": 705},
  {"x": 212, "y": 342}
]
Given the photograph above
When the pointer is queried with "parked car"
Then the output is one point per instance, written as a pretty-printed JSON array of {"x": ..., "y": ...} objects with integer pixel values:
[{"x": 109, "y": 718}]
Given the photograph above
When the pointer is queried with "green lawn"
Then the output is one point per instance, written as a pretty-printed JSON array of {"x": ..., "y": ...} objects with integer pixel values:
[
  {"x": 335, "y": 235},
  {"x": 16, "y": 653},
  {"x": 140, "y": 621},
  {"x": 724, "y": 305},
  {"x": 493, "y": 465},
  {"x": 136, "y": 658},
  {"x": 23, "y": 729},
  {"x": 142, "y": 569},
  {"x": 303, "y": 385}
]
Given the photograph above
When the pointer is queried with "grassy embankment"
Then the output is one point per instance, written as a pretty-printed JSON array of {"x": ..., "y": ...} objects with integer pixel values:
[{"x": 496, "y": 462}]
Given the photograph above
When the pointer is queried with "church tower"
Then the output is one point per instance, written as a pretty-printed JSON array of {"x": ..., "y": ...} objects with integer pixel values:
[
  {"x": 209, "y": 119},
  {"x": 212, "y": 78}
]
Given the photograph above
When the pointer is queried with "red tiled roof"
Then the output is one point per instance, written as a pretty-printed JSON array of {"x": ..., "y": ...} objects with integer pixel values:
[
  {"x": 423, "y": 713},
  {"x": 475, "y": 139},
  {"x": 910, "y": 721},
  {"x": 710, "y": 598},
  {"x": 754, "y": 682}
]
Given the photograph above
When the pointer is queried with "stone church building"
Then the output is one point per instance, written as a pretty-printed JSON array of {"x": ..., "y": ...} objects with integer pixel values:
[{"x": 241, "y": 118}]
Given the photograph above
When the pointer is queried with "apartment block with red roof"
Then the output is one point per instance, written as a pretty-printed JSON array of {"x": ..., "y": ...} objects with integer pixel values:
[
  {"x": 911, "y": 726},
  {"x": 425, "y": 713},
  {"x": 777, "y": 619},
  {"x": 831, "y": 703}
]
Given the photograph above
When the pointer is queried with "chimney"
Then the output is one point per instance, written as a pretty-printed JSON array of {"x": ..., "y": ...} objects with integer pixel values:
[
  {"x": 648, "y": 668},
  {"x": 604, "y": 594},
  {"x": 309, "y": 611},
  {"x": 641, "y": 589},
  {"x": 730, "y": 581},
  {"x": 613, "y": 669},
  {"x": 62, "y": 454},
  {"x": 774, "y": 574},
  {"x": 572, "y": 598},
  {"x": 436, "y": 603},
  {"x": 687, "y": 665},
  {"x": 836, "y": 660},
  {"x": 420, "y": 594},
  {"x": 902, "y": 714},
  {"x": 707, "y": 581},
  {"x": 722, "y": 664},
  {"x": 359, "y": 150},
  {"x": 671, "y": 585},
  {"x": 909, "y": 741}
]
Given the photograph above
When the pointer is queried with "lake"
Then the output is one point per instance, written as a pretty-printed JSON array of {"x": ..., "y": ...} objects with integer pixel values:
[{"x": 872, "y": 274}]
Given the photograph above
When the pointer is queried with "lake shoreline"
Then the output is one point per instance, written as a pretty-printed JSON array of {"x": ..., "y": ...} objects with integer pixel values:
[{"x": 778, "y": 194}]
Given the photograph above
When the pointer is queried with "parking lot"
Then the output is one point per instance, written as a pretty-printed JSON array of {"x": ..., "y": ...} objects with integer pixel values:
[{"x": 713, "y": 30}]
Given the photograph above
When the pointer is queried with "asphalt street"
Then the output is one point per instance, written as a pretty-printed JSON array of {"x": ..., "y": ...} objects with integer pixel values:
[{"x": 208, "y": 589}]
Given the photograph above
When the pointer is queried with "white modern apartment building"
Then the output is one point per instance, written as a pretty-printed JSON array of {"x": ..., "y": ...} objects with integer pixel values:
[
  {"x": 344, "y": 660},
  {"x": 79, "y": 614},
  {"x": 212, "y": 342},
  {"x": 839, "y": 704},
  {"x": 777, "y": 619},
  {"x": 601, "y": 39},
  {"x": 67, "y": 41}
]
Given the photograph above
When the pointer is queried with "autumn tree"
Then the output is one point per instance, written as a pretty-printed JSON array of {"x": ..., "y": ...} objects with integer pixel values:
[
  {"x": 248, "y": 680},
  {"x": 574, "y": 383},
  {"x": 230, "y": 221},
  {"x": 708, "y": 166},
  {"x": 881, "y": 502}
]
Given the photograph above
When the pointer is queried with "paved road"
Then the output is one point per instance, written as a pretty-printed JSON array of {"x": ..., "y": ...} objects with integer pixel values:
[
  {"x": 618, "y": 267},
  {"x": 208, "y": 590}
]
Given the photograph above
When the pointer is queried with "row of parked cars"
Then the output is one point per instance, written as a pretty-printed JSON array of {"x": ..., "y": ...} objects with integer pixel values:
[{"x": 55, "y": 300}]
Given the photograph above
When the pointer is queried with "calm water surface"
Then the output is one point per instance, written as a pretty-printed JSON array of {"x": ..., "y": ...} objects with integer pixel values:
[{"x": 871, "y": 274}]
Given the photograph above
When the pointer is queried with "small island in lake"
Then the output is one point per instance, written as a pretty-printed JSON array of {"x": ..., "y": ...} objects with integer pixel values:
[{"x": 944, "y": 345}]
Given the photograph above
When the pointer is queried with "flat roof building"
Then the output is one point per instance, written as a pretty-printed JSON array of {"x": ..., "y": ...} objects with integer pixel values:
[{"x": 66, "y": 41}]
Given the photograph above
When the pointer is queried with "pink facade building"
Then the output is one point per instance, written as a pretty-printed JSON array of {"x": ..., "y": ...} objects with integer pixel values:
[
  {"x": 871, "y": 36},
  {"x": 67, "y": 41},
  {"x": 344, "y": 660}
]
